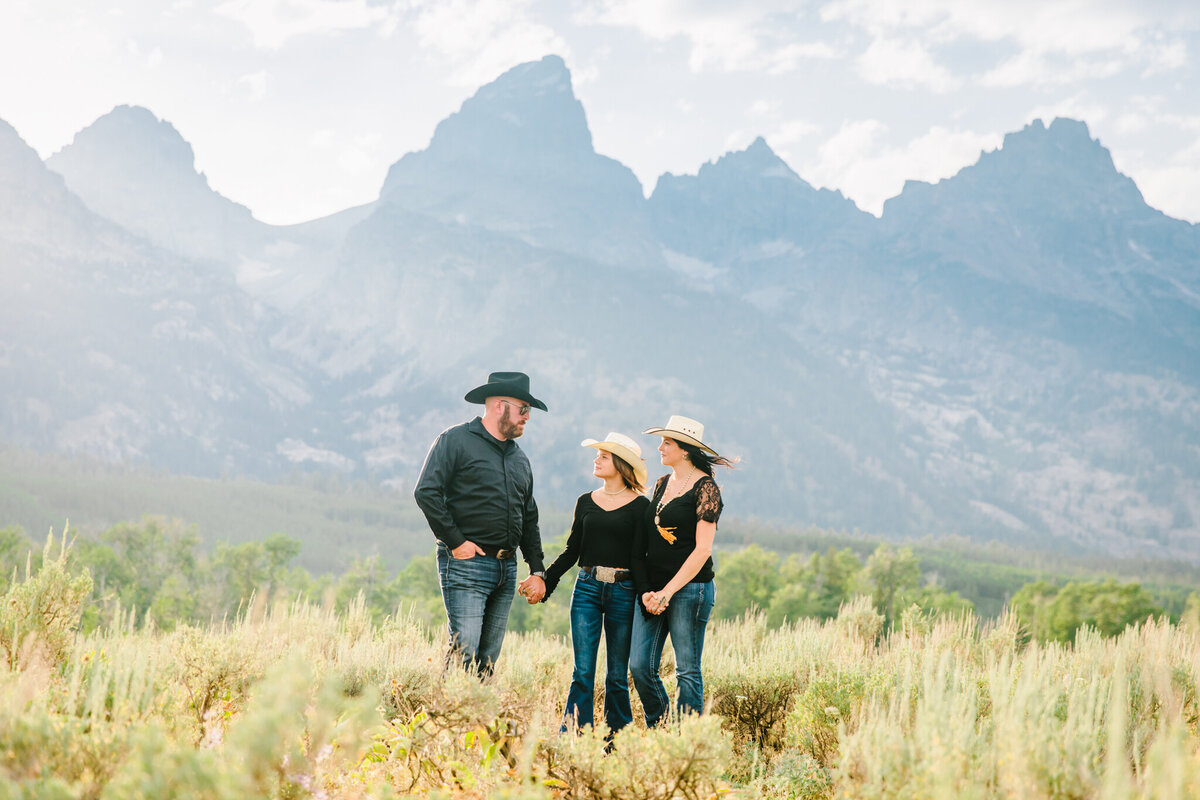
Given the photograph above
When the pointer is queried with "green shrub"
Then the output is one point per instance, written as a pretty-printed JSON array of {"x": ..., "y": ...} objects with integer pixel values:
[
  {"x": 684, "y": 760},
  {"x": 796, "y": 775},
  {"x": 824, "y": 705},
  {"x": 40, "y": 614},
  {"x": 859, "y": 621},
  {"x": 753, "y": 708}
]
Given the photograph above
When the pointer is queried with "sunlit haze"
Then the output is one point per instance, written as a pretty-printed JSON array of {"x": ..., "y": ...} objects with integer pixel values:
[{"x": 296, "y": 108}]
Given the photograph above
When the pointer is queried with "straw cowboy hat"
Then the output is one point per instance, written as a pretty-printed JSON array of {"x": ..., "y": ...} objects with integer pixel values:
[
  {"x": 683, "y": 429},
  {"x": 621, "y": 445},
  {"x": 505, "y": 384}
]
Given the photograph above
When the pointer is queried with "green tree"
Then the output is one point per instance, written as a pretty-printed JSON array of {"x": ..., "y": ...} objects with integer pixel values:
[
  {"x": 890, "y": 574},
  {"x": 815, "y": 587},
  {"x": 835, "y": 577},
  {"x": 258, "y": 567},
  {"x": 131, "y": 561},
  {"x": 367, "y": 576},
  {"x": 1057, "y": 614},
  {"x": 748, "y": 578}
]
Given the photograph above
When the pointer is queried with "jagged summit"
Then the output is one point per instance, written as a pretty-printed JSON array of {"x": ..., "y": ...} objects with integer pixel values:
[
  {"x": 1038, "y": 170},
  {"x": 17, "y": 159},
  {"x": 138, "y": 171},
  {"x": 527, "y": 115},
  {"x": 744, "y": 201},
  {"x": 135, "y": 136},
  {"x": 517, "y": 158},
  {"x": 1049, "y": 211}
]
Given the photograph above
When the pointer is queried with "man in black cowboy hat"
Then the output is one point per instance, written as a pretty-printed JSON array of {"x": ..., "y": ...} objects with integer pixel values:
[{"x": 476, "y": 490}]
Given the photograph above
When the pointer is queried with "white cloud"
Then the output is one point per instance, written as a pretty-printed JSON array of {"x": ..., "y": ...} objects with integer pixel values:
[
  {"x": 1076, "y": 107},
  {"x": 722, "y": 36},
  {"x": 739, "y": 139},
  {"x": 1035, "y": 69},
  {"x": 254, "y": 86},
  {"x": 483, "y": 38},
  {"x": 858, "y": 162},
  {"x": 1055, "y": 41},
  {"x": 273, "y": 22},
  {"x": 1167, "y": 175},
  {"x": 1132, "y": 123},
  {"x": 791, "y": 132},
  {"x": 905, "y": 64},
  {"x": 763, "y": 108}
]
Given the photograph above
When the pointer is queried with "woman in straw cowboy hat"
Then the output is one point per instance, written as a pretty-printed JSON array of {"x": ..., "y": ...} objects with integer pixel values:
[
  {"x": 602, "y": 535},
  {"x": 673, "y": 568}
]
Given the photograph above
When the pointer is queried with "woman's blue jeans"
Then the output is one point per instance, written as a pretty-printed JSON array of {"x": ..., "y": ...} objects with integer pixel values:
[
  {"x": 478, "y": 593},
  {"x": 685, "y": 620},
  {"x": 596, "y": 605}
]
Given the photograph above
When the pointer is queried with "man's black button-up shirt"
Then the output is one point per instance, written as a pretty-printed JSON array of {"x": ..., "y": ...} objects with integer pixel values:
[{"x": 474, "y": 486}]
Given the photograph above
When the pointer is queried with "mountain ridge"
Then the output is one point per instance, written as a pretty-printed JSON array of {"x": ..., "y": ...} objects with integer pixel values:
[{"x": 981, "y": 360}]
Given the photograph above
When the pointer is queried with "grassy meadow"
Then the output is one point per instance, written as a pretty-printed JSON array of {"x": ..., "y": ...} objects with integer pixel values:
[{"x": 300, "y": 700}]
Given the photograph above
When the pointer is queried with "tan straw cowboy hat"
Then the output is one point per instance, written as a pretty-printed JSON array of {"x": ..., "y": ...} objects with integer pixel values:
[
  {"x": 683, "y": 429},
  {"x": 621, "y": 445}
]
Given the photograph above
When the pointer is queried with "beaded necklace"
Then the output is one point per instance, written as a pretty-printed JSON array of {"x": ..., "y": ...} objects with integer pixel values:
[{"x": 669, "y": 533}]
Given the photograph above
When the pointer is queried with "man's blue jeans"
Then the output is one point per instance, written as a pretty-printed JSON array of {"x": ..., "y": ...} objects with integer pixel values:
[
  {"x": 596, "y": 605},
  {"x": 685, "y": 619},
  {"x": 478, "y": 593}
]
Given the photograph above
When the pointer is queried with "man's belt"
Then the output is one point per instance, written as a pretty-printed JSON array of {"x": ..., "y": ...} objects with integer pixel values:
[
  {"x": 607, "y": 574},
  {"x": 498, "y": 552}
]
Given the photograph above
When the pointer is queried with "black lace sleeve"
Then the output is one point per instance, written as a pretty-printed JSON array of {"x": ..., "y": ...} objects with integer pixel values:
[{"x": 708, "y": 501}]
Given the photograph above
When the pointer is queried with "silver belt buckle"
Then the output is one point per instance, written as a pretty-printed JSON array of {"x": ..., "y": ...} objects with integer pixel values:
[{"x": 606, "y": 574}]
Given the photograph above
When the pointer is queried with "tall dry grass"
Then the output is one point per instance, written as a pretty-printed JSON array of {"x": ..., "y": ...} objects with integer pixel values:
[{"x": 293, "y": 700}]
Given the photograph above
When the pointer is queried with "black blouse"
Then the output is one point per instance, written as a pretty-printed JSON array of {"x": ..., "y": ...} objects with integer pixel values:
[
  {"x": 599, "y": 538},
  {"x": 660, "y": 558}
]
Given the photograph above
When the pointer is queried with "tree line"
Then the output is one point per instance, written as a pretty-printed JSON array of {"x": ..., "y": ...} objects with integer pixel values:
[{"x": 156, "y": 570}]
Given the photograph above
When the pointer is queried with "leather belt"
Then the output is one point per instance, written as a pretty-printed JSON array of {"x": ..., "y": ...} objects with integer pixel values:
[
  {"x": 607, "y": 574},
  {"x": 498, "y": 552}
]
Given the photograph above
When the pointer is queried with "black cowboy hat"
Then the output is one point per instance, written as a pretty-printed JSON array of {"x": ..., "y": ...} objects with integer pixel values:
[{"x": 505, "y": 384}]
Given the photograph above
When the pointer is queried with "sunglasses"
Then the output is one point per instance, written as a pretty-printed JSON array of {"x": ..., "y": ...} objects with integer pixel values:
[{"x": 522, "y": 410}]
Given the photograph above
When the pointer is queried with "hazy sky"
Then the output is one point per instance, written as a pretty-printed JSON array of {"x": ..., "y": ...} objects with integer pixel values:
[{"x": 296, "y": 108}]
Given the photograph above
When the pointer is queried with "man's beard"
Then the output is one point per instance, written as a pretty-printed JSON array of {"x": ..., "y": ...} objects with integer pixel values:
[{"x": 508, "y": 428}]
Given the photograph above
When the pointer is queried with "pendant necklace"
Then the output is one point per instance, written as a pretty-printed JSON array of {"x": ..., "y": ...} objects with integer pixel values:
[{"x": 669, "y": 533}]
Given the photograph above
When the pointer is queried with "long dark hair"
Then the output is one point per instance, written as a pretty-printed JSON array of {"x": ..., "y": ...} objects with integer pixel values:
[{"x": 704, "y": 460}]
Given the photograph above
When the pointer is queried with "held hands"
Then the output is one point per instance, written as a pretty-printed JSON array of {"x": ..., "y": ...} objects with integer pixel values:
[
  {"x": 467, "y": 549},
  {"x": 656, "y": 602},
  {"x": 533, "y": 589}
]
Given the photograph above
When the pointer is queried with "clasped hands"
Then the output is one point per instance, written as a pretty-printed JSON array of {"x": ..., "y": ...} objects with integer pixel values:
[
  {"x": 533, "y": 589},
  {"x": 656, "y": 602}
]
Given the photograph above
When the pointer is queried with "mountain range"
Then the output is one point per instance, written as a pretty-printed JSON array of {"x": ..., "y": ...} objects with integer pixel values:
[{"x": 1009, "y": 354}]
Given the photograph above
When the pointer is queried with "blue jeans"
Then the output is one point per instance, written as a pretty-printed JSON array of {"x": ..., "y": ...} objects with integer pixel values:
[
  {"x": 596, "y": 604},
  {"x": 685, "y": 619},
  {"x": 478, "y": 593}
]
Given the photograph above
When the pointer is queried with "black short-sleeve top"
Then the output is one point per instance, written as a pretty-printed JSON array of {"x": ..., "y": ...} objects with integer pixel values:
[
  {"x": 663, "y": 558},
  {"x": 599, "y": 537}
]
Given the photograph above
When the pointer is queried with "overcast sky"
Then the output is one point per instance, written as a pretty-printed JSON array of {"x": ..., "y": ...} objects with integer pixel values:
[{"x": 296, "y": 108}]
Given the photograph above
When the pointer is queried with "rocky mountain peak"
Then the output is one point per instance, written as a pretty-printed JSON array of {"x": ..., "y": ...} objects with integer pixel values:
[
  {"x": 746, "y": 200},
  {"x": 18, "y": 161},
  {"x": 529, "y": 112},
  {"x": 133, "y": 139},
  {"x": 517, "y": 158},
  {"x": 138, "y": 171},
  {"x": 1038, "y": 173}
]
